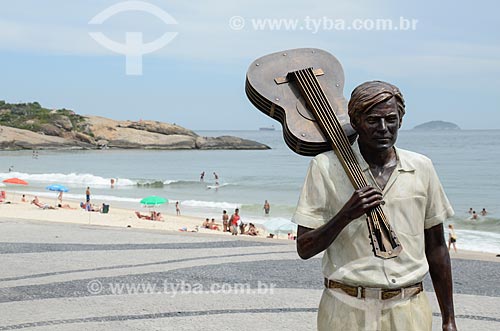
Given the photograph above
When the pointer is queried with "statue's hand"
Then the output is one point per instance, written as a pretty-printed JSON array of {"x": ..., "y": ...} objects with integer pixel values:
[
  {"x": 361, "y": 201},
  {"x": 450, "y": 326}
]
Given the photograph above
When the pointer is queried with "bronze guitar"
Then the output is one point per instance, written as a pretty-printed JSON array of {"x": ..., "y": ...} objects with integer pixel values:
[{"x": 303, "y": 90}]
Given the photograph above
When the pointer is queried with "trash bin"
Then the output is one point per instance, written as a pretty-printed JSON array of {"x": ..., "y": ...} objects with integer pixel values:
[{"x": 105, "y": 208}]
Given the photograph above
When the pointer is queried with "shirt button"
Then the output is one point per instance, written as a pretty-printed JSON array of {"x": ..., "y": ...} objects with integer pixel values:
[
  {"x": 382, "y": 202},
  {"x": 393, "y": 280}
]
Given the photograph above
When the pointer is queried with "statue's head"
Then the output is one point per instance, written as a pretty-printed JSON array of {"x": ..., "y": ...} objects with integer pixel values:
[
  {"x": 376, "y": 110},
  {"x": 369, "y": 94}
]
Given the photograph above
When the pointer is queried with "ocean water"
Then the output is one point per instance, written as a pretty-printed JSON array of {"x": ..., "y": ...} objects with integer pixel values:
[{"x": 466, "y": 162}]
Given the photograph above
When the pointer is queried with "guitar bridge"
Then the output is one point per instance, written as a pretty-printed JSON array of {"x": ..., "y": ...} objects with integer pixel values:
[{"x": 285, "y": 79}]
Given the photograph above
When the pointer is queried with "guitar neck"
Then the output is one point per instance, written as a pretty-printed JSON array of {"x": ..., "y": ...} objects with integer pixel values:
[
  {"x": 329, "y": 124},
  {"x": 384, "y": 241}
]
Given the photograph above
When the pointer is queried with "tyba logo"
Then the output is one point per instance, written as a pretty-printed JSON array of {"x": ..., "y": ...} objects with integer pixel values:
[{"x": 134, "y": 47}]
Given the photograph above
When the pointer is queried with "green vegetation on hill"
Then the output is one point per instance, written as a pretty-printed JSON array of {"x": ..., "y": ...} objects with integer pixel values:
[{"x": 32, "y": 116}]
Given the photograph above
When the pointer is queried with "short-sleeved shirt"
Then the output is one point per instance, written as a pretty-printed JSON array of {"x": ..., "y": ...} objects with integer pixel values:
[{"x": 414, "y": 201}]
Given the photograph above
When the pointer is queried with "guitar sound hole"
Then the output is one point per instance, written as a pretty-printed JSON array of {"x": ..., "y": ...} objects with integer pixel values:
[{"x": 302, "y": 109}]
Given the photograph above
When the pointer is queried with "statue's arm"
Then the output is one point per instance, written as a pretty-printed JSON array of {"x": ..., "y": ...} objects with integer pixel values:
[
  {"x": 438, "y": 258},
  {"x": 313, "y": 241}
]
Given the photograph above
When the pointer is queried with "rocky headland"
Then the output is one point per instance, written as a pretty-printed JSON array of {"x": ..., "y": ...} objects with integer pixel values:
[{"x": 30, "y": 126}]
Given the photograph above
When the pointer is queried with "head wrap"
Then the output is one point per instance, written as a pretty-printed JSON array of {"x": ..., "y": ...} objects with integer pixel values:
[{"x": 367, "y": 95}]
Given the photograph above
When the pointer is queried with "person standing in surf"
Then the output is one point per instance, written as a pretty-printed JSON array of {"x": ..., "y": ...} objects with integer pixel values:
[
  {"x": 452, "y": 238},
  {"x": 177, "y": 208},
  {"x": 87, "y": 197},
  {"x": 267, "y": 207}
]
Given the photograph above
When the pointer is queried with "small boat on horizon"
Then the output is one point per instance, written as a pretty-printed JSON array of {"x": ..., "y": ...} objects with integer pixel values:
[{"x": 267, "y": 128}]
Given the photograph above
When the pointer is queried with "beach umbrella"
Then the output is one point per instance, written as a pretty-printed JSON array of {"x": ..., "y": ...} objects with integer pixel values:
[
  {"x": 57, "y": 188},
  {"x": 153, "y": 200},
  {"x": 16, "y": 181},
  {"x": 276, "y": 226}
]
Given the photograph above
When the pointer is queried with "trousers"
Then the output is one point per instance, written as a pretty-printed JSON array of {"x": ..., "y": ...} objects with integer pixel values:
[{"x": 342, "y": 312}]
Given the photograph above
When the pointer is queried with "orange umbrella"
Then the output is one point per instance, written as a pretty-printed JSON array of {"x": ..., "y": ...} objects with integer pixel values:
[{"x": 15, "y": 181}]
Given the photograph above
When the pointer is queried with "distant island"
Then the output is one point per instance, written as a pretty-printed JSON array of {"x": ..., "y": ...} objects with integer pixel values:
[
  {"x": 267, "y": 128},
  {"x": 437, "y": 125},
  {"x": 30, "y": 126}
]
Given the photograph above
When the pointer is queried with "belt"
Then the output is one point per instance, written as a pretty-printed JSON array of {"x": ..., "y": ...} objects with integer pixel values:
[{"x": 375, "y": 293}]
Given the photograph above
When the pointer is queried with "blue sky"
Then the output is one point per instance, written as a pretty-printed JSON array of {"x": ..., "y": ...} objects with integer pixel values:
[{"x": 448, "y": 68}]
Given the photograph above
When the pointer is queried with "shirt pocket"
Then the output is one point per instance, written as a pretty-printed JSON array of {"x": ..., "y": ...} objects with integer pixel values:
[{"x": 407, "y": 215}]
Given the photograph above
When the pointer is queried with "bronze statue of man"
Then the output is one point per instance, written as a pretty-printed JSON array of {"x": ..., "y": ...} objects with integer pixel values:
[{"x": 363, "y": 292}]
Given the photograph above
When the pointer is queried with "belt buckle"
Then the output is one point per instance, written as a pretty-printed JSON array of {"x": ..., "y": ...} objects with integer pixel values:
[
  {"x": 373, "y": 293},
  {"x": 359, "y": 292}
]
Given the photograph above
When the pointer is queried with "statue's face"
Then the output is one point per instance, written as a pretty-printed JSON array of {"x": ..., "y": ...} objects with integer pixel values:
[{"x": 378, "y": 128}]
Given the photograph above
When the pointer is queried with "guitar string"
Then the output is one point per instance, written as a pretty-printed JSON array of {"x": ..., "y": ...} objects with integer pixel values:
[
  {"x": 332, "y": 126},
  {"x": 342, "y": 144},
  {"x": 342, "y": 140}
]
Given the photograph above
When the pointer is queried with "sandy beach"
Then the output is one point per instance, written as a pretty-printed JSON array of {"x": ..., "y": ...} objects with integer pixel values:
[
  {"x": 116, "y": 217},
  {"x": 126, "y": 218}
]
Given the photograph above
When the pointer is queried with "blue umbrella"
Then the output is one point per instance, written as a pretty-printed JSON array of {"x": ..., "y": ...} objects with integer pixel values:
[{"x": 57, "y": 188}]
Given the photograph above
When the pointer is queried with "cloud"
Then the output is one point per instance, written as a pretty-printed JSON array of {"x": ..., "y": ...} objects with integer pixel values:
[
  {"x": 47, "y": 38},
  {"x": 450, "y": 60},
  {"x": 203, "y": 27}
]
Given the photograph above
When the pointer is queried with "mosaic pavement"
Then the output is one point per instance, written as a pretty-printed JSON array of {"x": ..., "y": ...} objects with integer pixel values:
[{"x": 74, "y": 277}]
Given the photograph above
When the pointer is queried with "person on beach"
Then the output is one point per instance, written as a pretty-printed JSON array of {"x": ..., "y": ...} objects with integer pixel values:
[
  {"x": 60, "y": 197},
  {"x": 470, "y": 210},
  {"x": 474, "y": 215},
  {"x": 23, "y": 198},
  {"x": 153, "y": 215},
  {"x": 112, "y": 182},
  {"x": 252, "y": 230},
  {"x": 225, "y": 221},
  {"x": 266, "y": 207},
  {"x": 41, "y": 205},
  {"x": 87, "y": 195},
  {"x": 206, "y": 224},
  {"x": 242, "y": 227},
  {"x": 214, "y": 226},
  {"x": 64, "y": 206},
  {"x": 452, "y": 238},
  {"x": 202, "y": 176},
  {"x": 234, "y": 222},
  {"x": 331, "y": 217},
  {"x": 91, "y": 207},
  {"x": 141, "y": 216},
  {"x": 484, "y": 212},
  {"x": 177, "y": 208}
]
